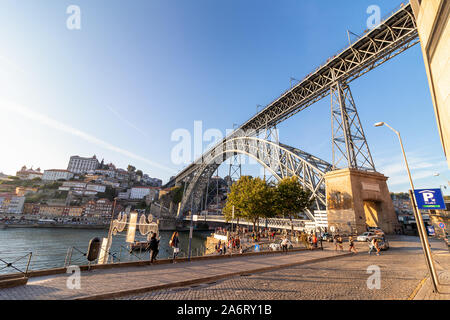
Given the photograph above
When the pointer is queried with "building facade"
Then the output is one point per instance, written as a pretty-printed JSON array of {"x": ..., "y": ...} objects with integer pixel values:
[
  {"x": 139, "y": 193},
  {"x": 82, "y": 165},
  {"x": 51, "y": 211},
  {"x": 57, "y": 174},
  {"x": 99, "y": 208},
  {"x": 11, "y": 203},
  {"x": 22, "y": 191},
  {"x": 29, "y": 174},
  {"x": 433, "y": 25}
]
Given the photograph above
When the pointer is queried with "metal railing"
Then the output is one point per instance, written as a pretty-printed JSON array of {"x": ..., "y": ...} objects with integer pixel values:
[{"x": 12, "y": 266}]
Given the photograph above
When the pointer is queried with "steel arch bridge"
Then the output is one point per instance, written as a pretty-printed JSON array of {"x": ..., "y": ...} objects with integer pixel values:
[
  {"x": 280, "y": 160},
  {"x": 394, "y": 35}
]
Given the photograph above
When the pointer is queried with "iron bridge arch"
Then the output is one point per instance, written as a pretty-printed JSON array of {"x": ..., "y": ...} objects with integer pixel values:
[{"x": 279, "y": 159}]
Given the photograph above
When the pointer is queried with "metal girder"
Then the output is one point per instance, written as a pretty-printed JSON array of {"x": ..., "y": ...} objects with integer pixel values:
[
  {"x": 349, "y": 142},
  {"x": 394, "y": 35},
  {"x": 281, "y": 160}
]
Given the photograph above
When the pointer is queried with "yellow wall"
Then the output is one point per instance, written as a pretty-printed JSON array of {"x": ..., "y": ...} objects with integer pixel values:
[{"x": 433, "y": 24}]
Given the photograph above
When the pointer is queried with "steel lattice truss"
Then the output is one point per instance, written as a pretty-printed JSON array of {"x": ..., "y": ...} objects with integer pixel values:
[
  {"x": 349, "y": 142},
  {"x": 281, "y": 160},
  {"x": 394, "y": 35}
]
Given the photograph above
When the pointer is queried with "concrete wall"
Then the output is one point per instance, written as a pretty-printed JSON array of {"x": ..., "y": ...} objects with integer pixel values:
[{"x": 433, "y": 24}]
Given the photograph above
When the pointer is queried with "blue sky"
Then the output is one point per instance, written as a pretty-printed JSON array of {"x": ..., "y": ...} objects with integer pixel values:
[{"x": 139, "y": 70}]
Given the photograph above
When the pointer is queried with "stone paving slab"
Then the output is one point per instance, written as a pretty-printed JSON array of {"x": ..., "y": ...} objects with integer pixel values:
[
  {"x": 425, "y": 290},
  {"x": 402, "y": 268},
  {"x": 108, "y": 281}
]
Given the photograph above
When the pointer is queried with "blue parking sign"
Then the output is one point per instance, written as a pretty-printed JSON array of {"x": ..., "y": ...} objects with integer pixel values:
[{"x": 429, "y": 199}]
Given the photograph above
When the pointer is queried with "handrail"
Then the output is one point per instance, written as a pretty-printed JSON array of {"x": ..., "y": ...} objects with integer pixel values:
[{"x": 11, "y": 264}]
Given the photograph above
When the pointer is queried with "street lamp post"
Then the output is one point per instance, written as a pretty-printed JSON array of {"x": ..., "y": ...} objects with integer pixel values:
[
  {"x": 191, "y": 230},
  {"x": 419, "y": 221}
]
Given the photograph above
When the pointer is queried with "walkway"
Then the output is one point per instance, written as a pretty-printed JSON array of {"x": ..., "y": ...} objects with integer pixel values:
[
  {"x": 402, "y": 271},
  {"x": 112, "y": 283},
  {"x": 425, "y": 288}
]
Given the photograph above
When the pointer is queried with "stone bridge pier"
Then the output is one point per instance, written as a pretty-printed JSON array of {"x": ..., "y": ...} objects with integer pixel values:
[{"x": 358, "y": 199}]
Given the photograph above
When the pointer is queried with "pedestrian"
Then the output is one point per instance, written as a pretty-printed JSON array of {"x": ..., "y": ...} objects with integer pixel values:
[
  {"x": 373, "y": 246},
  {"x": 335, "y": 242},
  {"x": 284, "y": 244},
  {"x": 321, "y": 239},
  {"x": 154, "y": 244},
  {"x": 304, "y": 238},
  {"x": 376, "y": 246},
  {"x": 339, "y": 240},
  {"x": 351, "y": 245},
  {"x": 174, "y": 243},
  {"x": 314, "y": 240}
]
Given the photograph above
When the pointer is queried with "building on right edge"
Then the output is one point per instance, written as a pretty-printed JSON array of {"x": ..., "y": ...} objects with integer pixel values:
[{"x": 433, "y": 25}]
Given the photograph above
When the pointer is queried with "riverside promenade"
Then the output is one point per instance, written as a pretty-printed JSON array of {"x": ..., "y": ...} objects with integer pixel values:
[
  {"x": 298, "y": 275},
  {"x": 117, "y": 282}
]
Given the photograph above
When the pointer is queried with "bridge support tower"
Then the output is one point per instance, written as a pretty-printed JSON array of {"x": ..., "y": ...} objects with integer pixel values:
[
  {"x": 358, "y": 196},
  {"x": 358, "y": 199}
]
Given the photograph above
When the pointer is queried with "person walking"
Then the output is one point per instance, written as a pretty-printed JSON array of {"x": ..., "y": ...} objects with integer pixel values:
[
  {"x": 373, "y": 246},
  {"x": 174, "y": 243},
  {"x": 335, "y": 240},
  {"x": 339, "y": 241},
  {"x": 314, "y": 240},
  {"x": 284, "y": 245},
  {"x": 376, "y": 246},
  {"x": 351, "y": 244},
  {"x": 154, "y": 244}
]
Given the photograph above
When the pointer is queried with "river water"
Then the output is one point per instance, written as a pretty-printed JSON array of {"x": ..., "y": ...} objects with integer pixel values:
[{"x": 49, "y": 246}]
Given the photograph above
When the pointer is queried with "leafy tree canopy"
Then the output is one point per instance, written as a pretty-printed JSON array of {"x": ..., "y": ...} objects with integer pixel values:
[{"x": 252, "y": 199}]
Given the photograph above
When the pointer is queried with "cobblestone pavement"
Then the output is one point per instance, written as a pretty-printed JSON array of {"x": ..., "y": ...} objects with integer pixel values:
[
  {"x": 104, "y": 281},
  {"x": 425, "y": 291},
  {"x": 402, "y": 269}
]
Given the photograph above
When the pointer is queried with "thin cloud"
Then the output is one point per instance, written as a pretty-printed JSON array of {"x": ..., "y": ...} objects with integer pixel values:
[
  {"x": 11, "y": 64},
  {"x": 121, "y": 118},
  {"x": 57, "y": 125}
]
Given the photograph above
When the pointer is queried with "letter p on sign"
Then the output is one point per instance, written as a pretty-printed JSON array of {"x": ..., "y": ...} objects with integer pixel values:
[{"x": 428, "y": 196}]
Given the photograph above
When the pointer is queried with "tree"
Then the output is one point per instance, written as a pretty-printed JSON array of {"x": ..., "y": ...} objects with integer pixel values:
[
  {"x": 177, "y": 194},
  {"x": 291, "y": 198},
  {"x": 131, "y": 168},
  {"x": 139, "y": 173},
  {"x": 110, "y": 194},
  {"x": 252, "y": 199}
]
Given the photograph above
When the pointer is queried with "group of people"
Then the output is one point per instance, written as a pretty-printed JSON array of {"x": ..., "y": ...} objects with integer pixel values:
[
  {"x": 154, "y": 245},
  {"x": 338, "y": 242},
  {"x": 234, "y": 243},
  {"x": 309, "y": 240}
]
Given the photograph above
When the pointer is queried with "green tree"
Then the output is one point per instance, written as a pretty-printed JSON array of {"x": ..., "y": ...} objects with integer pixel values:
[
  {"x": 291, "y": 198},
  {"x": 110, "y": 194},
  {"x": 177, "y": 194},
  {"x": 139, "y": 173},
  {"x": 252, "y": 199}
]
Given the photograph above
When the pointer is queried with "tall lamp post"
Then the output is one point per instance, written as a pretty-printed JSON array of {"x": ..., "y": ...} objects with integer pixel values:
[
  {"x": 419, "y": 221},
  {"x": 191, "y": 230}
]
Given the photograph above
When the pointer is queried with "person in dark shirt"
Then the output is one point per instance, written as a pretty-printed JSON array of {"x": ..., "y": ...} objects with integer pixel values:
[{"x": 154, "y": 247}]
